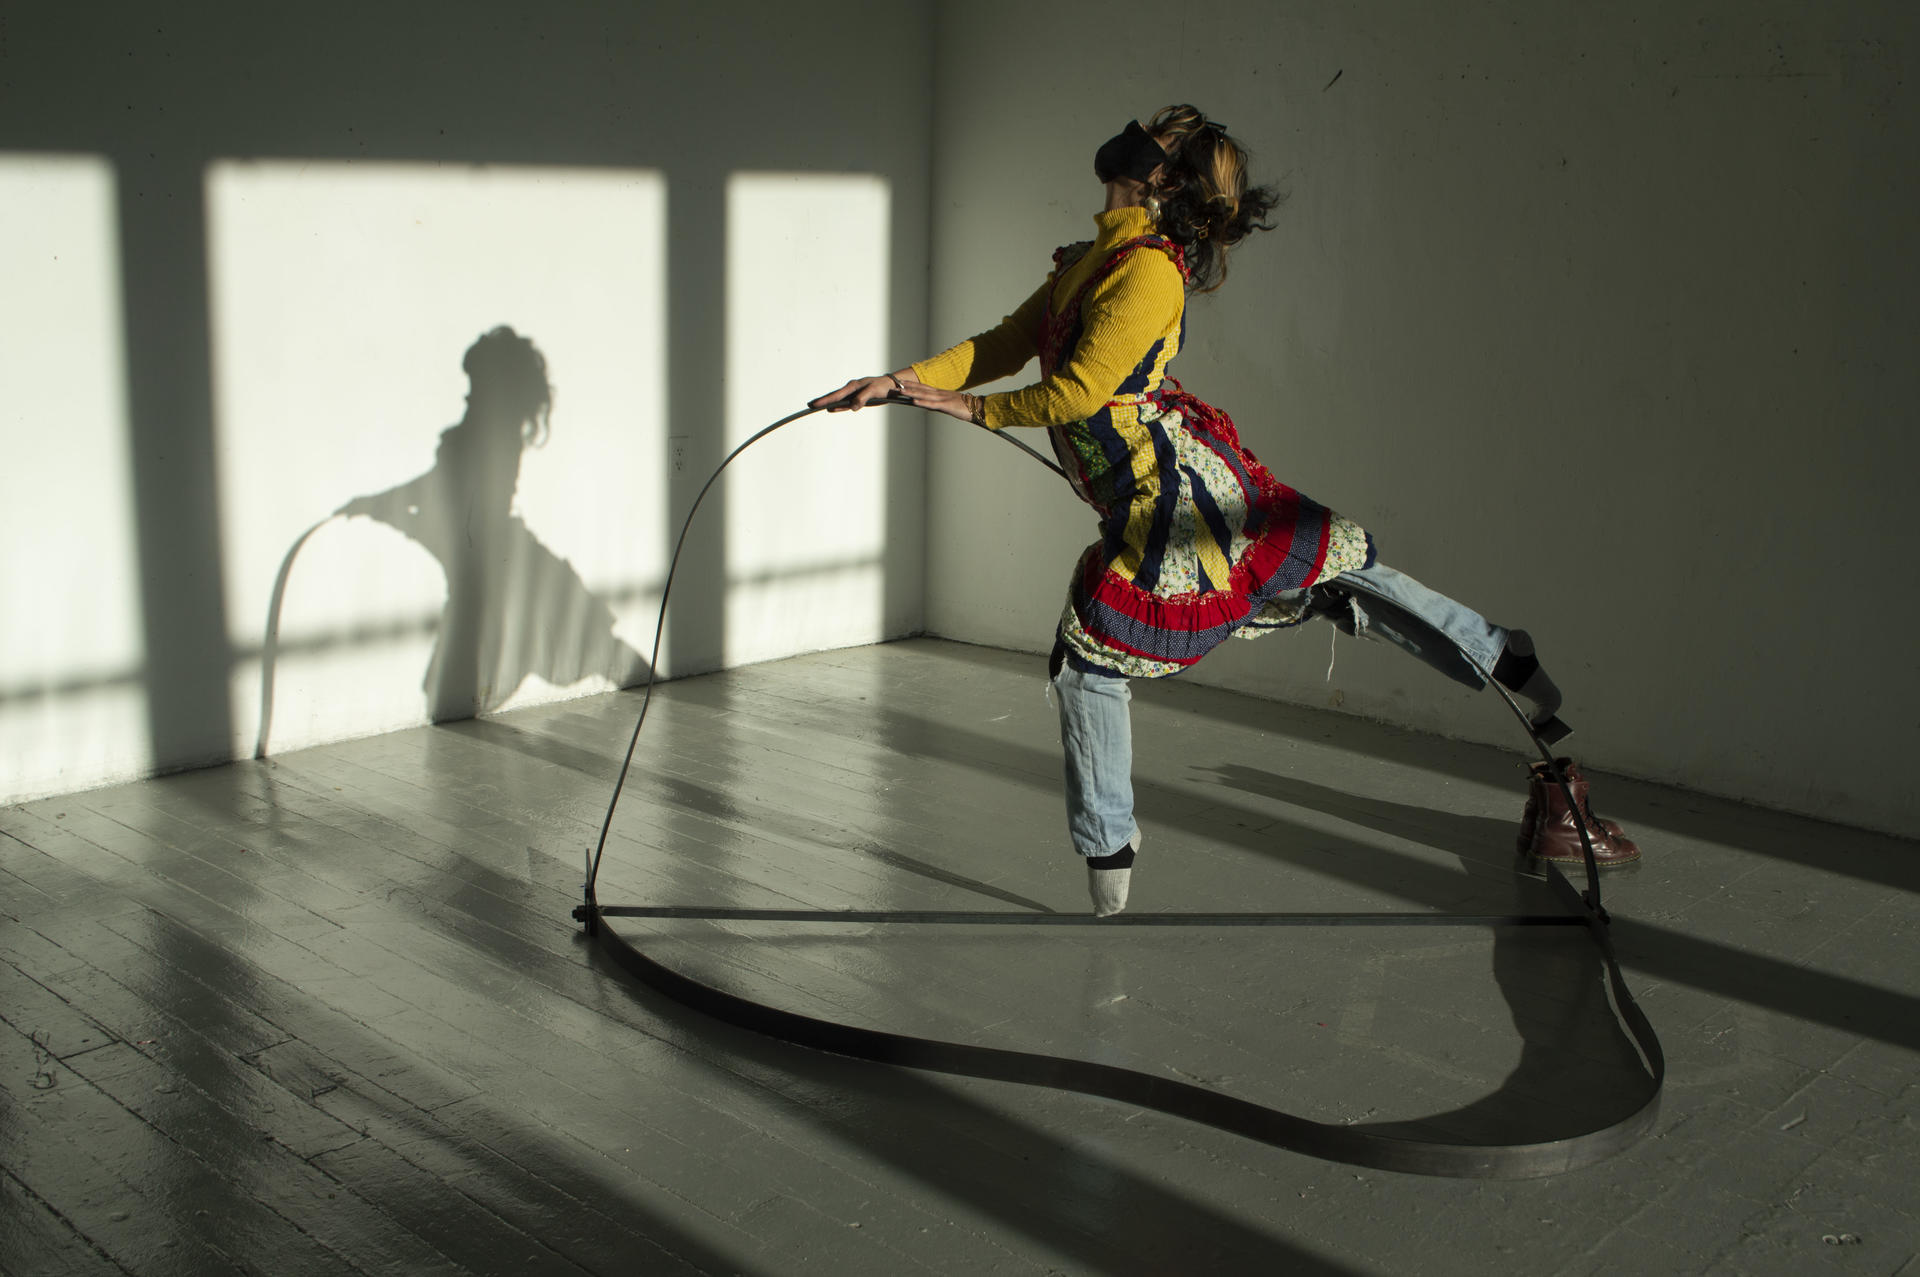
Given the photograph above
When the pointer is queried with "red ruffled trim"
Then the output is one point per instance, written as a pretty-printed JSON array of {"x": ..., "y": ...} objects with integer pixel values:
[{"x": 1180, "y": 613}]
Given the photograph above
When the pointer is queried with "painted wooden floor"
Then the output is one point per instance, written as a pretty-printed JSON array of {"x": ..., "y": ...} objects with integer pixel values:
[{"x": 327, "y": 1013}]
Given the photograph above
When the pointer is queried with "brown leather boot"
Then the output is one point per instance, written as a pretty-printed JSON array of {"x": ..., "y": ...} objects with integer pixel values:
[{"x": 1547, "y": 829}]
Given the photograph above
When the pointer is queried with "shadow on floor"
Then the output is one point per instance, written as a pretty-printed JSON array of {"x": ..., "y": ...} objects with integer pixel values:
[{"x": 1067, "y": 1195}]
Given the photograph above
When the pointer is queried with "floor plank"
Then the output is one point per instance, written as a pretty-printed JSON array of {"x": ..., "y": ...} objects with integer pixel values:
[{"x": 38, "y": 1240}]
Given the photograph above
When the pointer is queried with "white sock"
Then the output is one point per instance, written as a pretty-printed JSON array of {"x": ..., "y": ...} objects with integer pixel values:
[
  {"x": 1108, "y": 878},
  {"x": 1108, "y": 887}
]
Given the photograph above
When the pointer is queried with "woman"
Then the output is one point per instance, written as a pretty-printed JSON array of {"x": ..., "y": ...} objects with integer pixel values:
[{"x": 1198, "y": 541}]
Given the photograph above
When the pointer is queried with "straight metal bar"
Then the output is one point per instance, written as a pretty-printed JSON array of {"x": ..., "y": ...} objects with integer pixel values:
[{"x": 1027, "y": 919}]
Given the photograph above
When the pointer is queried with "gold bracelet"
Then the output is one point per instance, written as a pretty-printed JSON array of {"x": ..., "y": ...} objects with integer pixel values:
[
  {"x": 897, "y": 383},
  {"x": 977, "y": 409}
]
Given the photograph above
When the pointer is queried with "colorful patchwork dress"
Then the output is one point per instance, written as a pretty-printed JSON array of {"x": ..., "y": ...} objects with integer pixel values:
[{"x": 1198, "y": 541}]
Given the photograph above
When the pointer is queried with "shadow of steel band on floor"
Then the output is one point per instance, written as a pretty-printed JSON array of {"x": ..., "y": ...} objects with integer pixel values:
[
  {"x": 1385, "y": 1146},
  {"x": 1397, "y": 1146},
  {"x": 1352, "y": 1144}
]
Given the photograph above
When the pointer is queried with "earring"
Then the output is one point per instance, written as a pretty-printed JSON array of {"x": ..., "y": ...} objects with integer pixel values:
[{"x": 1153, "y": 207}]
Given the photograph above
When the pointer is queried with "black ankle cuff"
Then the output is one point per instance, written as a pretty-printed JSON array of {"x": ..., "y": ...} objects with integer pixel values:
[
  {"x": 1121, "y": 859},
  {"x": 1513, "y": 670}
]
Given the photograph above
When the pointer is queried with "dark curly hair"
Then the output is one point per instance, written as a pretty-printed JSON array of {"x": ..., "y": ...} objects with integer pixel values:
[{"x": 1201, "y": 194}]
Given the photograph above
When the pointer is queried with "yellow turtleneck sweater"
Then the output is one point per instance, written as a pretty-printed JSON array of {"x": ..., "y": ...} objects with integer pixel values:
[{"x": 1121, "y": 317}]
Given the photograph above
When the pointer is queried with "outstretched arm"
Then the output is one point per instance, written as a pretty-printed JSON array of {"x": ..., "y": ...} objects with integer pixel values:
[
  {"x": 999, "y": 352},
  {"x": 1121, "y": 318}
]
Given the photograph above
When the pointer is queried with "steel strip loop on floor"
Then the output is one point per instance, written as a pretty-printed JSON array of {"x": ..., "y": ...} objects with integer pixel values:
[{"x": 1355, "y": 1145}]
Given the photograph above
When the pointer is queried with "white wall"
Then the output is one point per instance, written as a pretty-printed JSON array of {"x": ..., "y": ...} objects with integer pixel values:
[
  {"x": 1600, "y": 319},
  {"x": 246, "y": 249},
  {"x": 70, "y": 646}
]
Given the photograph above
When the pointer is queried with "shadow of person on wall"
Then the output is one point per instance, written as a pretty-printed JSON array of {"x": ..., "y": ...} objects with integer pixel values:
[{"x": 514, "y": 608}]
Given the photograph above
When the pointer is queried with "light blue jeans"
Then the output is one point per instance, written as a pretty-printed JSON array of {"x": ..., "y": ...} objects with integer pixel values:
[{"x": 1096, "y": 725}]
